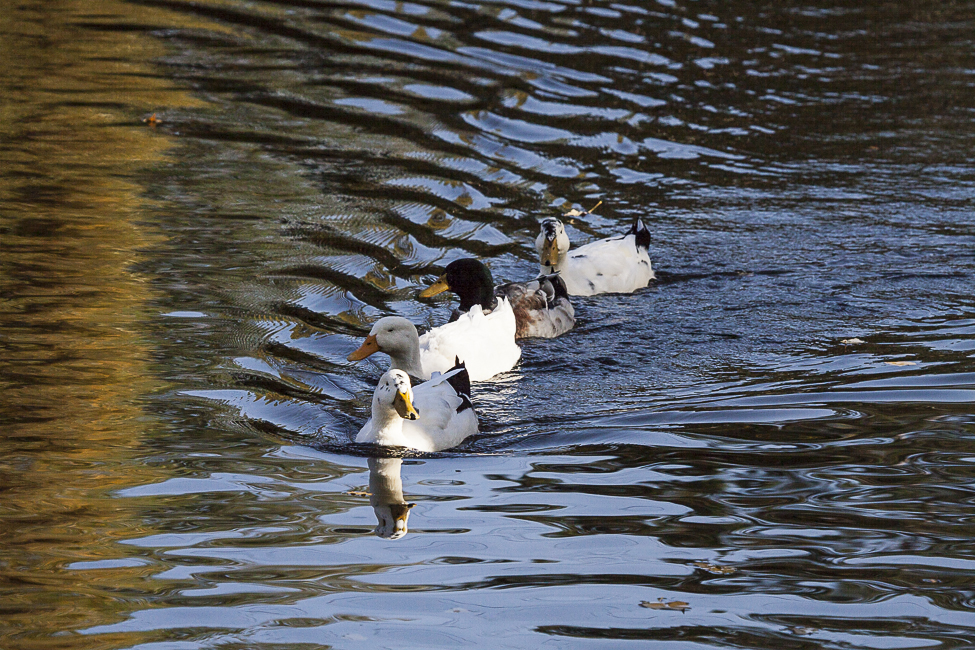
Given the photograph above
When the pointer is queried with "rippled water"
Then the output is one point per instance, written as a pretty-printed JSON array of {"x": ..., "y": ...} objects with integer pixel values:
[{"x": 770, "y": 446}]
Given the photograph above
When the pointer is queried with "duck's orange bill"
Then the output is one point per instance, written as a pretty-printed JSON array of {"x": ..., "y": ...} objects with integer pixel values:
[
  {"x": 371, "y": 346},
  {"x": 437, "y": 287}
]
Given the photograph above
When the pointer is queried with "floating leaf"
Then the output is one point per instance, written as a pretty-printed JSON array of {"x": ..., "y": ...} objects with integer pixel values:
[
  {"x": 674, "y": 605},
  {"x": 901, "y": 363},
  {"x": 578, "y": 213},
  {"x": 851, "y": 341},
  {"x": 714, "y": 568},
  {"x": 152, "y": 120}
]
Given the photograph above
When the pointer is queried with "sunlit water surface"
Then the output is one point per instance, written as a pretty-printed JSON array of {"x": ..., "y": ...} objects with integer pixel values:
[{"x": 769, "y": 447}]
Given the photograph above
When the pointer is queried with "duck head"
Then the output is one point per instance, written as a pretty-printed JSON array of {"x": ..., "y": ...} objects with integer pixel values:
[
  {"x": 392, "y": 335},
  {"x": 470, "y": 280},
  {"x": 552, "y": 243},
  {"x": 392, "y": 519},
  {"x": 394, "y": 390}
]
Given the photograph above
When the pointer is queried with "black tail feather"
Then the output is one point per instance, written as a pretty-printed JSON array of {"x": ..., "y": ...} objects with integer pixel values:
[
  {"x": 461, "y": 383},
  {"x": 642, "y": 234}
]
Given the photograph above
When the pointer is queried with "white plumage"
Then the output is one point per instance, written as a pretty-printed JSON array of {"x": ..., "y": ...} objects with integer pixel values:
[
  {"x": 430, "y": 417},
  {"x": 484, "y": 342},
  {"x": 618, "y": 264}
]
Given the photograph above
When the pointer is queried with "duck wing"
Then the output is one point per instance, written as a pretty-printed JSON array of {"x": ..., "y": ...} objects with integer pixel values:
[{"x": 541, "y": 306}]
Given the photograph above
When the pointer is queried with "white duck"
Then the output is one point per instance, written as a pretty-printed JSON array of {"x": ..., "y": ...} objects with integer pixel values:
[
  {"x": 433, "y": 416},
  {"x": 618, "y": 264},
  {"x": 541, "y": 306},
  {"x": 485, "y": 343},
  {"x": 386, "y": 497}
]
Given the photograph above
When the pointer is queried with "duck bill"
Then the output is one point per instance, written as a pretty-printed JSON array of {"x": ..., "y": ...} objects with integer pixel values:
[
  {"x": 371, "y": 346},
  {"x": 437, "y": 287},
  {"x": 404, "y": 406},
  {"x": 400, "y": 514},
  {"x": 550, "y": 252}
]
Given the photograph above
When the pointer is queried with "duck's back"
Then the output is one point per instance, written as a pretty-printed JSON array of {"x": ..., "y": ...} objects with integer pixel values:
[
  {"x": 485, "y": 343},
  {"x": 613, "y": 265},
  {"x": 541, "y": 306},
  {"x": 446, "y": 418}
]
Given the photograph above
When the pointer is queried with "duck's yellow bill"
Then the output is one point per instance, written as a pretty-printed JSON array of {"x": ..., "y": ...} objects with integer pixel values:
[
  {"x": 371, "y": 346},
  {"x": 405, "y": 407},
  {"x": 550, "y": 252},
  {"x": 437, "y": 287}
]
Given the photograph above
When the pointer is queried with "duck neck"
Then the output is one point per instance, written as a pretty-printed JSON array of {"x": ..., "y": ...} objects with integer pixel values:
[
  {"x": 407, "y": 359},
  {"x": 387, "y": 424},
  {"x": 385, "y": 481},
  {"x": 484, "y": 297},
  {"x": 548, "y": 269}
]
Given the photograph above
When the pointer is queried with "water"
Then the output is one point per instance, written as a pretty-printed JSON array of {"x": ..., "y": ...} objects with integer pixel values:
[{"x": 711, "y": 462}]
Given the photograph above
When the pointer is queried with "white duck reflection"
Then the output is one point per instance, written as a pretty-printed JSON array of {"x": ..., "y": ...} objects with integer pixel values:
[{"x": 386, "y": 497}]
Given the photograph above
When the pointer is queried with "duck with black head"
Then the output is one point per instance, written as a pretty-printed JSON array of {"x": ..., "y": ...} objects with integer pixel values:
[{"x": 541, "y": 306}]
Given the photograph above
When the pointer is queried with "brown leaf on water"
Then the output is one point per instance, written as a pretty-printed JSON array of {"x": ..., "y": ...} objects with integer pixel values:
[
  {"x": 674, "y": 605},
  {"x": 714, "y": 568},
  {"x": 152, "y": 120},
  {"x": 579, "y": 213}
]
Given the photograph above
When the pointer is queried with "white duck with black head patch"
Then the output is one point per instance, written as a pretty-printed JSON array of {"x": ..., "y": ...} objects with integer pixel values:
[{"x": 618, "y": 264}]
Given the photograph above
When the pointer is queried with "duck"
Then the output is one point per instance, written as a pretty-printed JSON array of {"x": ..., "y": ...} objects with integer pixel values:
[
  {"x": 386, "y": 497},
  {"x": 433, "y": 416},
  {"x": 618, "y": 264},
  {"x": 486, "y": 345},
  {"x": 541, "y": 306}
]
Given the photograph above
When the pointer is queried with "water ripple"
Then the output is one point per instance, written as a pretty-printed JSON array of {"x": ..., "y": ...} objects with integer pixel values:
[{"x": 770, "y": 446}]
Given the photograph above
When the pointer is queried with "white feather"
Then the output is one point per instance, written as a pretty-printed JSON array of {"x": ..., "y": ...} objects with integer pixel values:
[
  {"x": 611, "y": 265},
  {"x": 484, "y": 342},
  {"x": 438, "y": 426}
]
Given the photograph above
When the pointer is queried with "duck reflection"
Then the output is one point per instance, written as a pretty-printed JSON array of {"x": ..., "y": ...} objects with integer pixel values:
[{"x": 386, "y": 497}]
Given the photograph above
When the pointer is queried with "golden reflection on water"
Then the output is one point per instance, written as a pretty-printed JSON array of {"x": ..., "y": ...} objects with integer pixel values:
[{"x": 75, "y": 360}]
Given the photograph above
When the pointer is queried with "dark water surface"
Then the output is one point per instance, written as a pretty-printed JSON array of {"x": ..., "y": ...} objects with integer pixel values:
[{"x": 772, "y": 446}]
